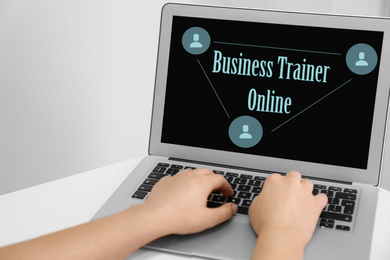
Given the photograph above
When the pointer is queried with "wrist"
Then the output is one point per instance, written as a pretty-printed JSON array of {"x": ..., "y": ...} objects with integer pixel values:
[
  {"x": 279, "y": 244},
  {"x": 151, "y": 222}
]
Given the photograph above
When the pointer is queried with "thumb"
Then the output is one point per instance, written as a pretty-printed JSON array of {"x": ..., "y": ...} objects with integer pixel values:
[{"x": 222, "y": 213}]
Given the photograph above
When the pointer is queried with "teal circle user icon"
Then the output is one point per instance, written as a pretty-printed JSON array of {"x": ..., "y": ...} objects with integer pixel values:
[
  {"x": 245, "y": 131},
  {"x": 196, "y": 40},
  {"x": 361, "y": 59}
]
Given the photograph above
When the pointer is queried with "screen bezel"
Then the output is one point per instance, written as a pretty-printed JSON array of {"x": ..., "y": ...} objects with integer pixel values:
[{"x": 371, "y": 175}]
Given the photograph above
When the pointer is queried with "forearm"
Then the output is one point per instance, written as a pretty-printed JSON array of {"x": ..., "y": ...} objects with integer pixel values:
[
  {"x": 113, "y": 237},
  {"x": 274, "y": 245},
  {"x": 119, "y": 235}
]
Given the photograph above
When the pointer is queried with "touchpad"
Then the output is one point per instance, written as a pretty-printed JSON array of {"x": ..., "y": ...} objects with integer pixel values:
[{"x": 234, "y": 239}]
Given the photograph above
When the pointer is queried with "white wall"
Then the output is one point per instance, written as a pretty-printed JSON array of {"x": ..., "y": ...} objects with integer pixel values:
[{"x": 69, "y": 71}]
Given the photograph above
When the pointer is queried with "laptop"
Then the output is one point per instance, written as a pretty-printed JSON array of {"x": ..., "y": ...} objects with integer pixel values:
[{"x": 249, "y": 92}]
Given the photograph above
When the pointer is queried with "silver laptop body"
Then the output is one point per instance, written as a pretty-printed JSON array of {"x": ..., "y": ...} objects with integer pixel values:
[{"x": 253, "y": 92}]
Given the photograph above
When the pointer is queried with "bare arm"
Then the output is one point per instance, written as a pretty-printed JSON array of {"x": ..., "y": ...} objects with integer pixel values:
[
  {"x": 288, "y": 200},
  {"x": 119, "y": 235},
  {"x": 284, "y": 216},
  {"x": 109, "y": 238}
]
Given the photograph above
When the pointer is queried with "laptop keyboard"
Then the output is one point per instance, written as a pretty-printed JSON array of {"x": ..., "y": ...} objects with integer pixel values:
[{"x": 338, "y": 213}]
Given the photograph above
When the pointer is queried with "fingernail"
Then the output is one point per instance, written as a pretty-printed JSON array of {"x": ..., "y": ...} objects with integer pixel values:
[{"x": 234, "y": 207}]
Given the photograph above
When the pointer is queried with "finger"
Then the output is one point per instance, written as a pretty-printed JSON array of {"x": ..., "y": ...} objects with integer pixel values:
[
  {"x": 294, "y": 175},
  {"x": 218, "y": 182},
  {"x": 161, "y": 181},
  {"x": 202, "y": 171},
  {"x": 221, "y": 214},
  {"x": 307, "y": 184},
  {"x": 274, "y": 177},
  {"x": 322, "y": 200}
]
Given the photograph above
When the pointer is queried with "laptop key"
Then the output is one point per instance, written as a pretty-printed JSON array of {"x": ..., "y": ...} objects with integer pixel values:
[
  {"x": 244, "y": 188},
  {"x": 335, "y": 208},
  {"x": 216, "y": 192},
  {"x": 229, "y": 179},
  {"x": 234, "y": 200},
  {"x": 212, "y": 204},
  {"x": 256, "y": 189},
  {"x": 254, "y": 183},
  {"x": 172, "y": 171},
  {"x": 234, "y": 186},
  {"x": 242, "y": 210},
  {"x": 326, "y": 223},
  {"x": 341, "y": 227},
  {"x": 348, "y": 209},
  {"x": 155, "y": 175},
  {"x": 260, "y": 178},
  {"x": 350, "y": 191},
  {"x": 218, "y": 198},
  {"x": 145, "y": 187},
  {"x": 177, "y": 166},
  {"x": 166, "y": 165},
  {"x": 320, "y": 187},
  {"x": 334, "y": 188},
  {"x": 244, "y": 195},
  {"x": 240, "y": 181},
  {"x": 333, "y": 201},
  {"x": 232, "y": 174},
  {"x": 336, "y": 216},
  {"x": 348, "y": 203},
  {"x": 246, "y": 203},
  {"x": 139, "y": 194},
  {"x": 159, "y": 169},
  {"x": 151, "y": 181},
  {"x": 327, "y": 193},
  {"x": 348, "y": 196}
]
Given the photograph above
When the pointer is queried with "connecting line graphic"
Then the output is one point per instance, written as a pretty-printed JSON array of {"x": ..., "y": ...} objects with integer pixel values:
[
  {"x": 276, "y": 48},
  {"x": 312, "y": 105},
  {"x": 220, "y": 101}
]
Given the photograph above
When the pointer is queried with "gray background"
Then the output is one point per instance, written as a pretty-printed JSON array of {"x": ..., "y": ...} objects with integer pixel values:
[{"x": 70, "y": 69}]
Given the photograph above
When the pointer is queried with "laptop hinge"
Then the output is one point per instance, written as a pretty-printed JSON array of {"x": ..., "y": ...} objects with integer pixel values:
[{"x": 256, "y": 170}]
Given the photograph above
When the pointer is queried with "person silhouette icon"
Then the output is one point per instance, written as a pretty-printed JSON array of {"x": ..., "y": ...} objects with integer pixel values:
[
  {"x": 196, "y": 40},
  {"x": 361, "y": 62},
  {"x": 245, "y": 134},
  {"x": 196, "y": 43},
  {"x": 245, "y": 131}
]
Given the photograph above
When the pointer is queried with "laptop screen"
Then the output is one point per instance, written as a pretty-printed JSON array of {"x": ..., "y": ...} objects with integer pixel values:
[{"x": 275, "y": 90}]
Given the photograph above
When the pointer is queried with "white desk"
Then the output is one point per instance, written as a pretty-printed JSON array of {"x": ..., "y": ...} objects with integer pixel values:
[{"x": 63, "y": 203}]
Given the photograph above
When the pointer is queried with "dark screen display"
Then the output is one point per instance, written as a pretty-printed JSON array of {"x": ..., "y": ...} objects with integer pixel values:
[{"x": 292, "y": 92}]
